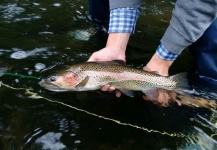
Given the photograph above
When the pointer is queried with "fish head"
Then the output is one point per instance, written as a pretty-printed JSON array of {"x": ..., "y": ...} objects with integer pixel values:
[{"x": 62, "y": 81}]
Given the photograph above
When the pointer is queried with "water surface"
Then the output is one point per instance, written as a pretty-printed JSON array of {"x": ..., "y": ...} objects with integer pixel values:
[{"x": 41, "y": 37}]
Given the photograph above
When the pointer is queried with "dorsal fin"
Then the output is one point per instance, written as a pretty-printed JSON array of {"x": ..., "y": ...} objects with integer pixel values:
[
  {"x": 112, "y": 62},
  {"x": 119, "y": 61},
  {"x": 127, "y": 92},
  {"x": 155, "y": 72},
  {"x": 83, "y": 82}
]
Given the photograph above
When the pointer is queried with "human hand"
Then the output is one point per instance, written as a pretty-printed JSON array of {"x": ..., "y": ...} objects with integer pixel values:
[
  {"x": 108, "y": 54},
  {"x": 161, "y": 66},
  {"x": 164, "y": 98},
  {"x": 114, "y": 50},
  {"x": 158, "y": 65}
]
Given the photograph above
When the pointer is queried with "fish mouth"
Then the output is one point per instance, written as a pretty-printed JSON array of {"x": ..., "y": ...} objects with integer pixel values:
[{"x": 50, "y": 86}]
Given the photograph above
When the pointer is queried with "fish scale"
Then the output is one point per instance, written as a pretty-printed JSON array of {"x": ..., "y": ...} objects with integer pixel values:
[
  {"x": 149, "y": 78},
  {"x": 93, "y": 75}
]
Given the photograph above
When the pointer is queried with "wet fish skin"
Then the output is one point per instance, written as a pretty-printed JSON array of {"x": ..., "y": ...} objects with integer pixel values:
[{"x": 93, "y": 75}]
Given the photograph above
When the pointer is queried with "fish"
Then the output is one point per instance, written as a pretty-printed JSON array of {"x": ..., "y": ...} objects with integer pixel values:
[{"x": 88, "y": 76}]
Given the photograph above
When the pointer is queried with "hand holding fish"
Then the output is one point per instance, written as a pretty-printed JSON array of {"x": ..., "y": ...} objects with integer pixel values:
[
  {"x": 88, "y": 76},
  {"x": 156, "y": 64},
  {"x": 101, "y": 72},
  {"x": 114, "y": 50},
  {"x": 161, "y": 67},
  {"x": 108, "y": 54}
]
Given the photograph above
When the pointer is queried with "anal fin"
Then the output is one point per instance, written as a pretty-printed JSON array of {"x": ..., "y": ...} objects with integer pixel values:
[{"x": 151, "y": 93}]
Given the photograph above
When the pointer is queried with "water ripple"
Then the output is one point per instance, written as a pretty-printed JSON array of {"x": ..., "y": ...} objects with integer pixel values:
[
  {"x": 39, "y": 67},
  {"x": 33, "y": 17},
  {"x": 202, "y": 134},
  {"x": 16, "y": 13},
  {"x": 20, "y": 54},
  {"x": 2, "y": 71},
  {"x": 49, "y": 129},
  {"x": 51, "y": 140},
  {"x": 156, "y": 7},
  {"x": 57, "y": 4},
  {"x": 11, "y": 10},
  {"x": 201, "y": 141}
]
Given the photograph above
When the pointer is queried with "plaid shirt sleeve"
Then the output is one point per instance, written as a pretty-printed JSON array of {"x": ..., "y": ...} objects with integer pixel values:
[
  {"x": 163, "y": 53},
  {"x": 123, "y": 20}
]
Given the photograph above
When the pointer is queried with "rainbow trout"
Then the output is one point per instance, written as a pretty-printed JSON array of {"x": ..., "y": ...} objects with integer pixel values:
[{"x": 93, "y": 75}]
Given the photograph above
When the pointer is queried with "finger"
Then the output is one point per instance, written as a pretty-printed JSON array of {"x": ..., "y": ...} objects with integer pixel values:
[
  {"x": 111, "y": 88},
  {"x": 165, "y": 104},
  {"x": 91, "y": 59},
  {"x": 178, "y": 102},
  {"x": 105, "y": 87},
  {"x": 172, "y": 96},
  {"x": 146, "y": 98},
  {"x": 156, "y": 102},
  {"x": 163, "y": 97},
  {"x": 118, "y": 93},
  {"x": 146, "y": 68}
]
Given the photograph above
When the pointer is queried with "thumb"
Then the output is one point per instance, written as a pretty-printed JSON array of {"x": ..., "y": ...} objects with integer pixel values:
[{"x": 92, "y": 58}]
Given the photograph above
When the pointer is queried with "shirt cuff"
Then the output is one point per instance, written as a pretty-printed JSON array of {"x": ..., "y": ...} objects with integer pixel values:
[
  {"x": 123, "y": 20},
  {"x": 163, "y": 53}
]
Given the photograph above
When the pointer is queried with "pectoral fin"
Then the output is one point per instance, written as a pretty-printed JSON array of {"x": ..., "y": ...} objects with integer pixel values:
[
  {"x": 113, "y": 62},
  {"x": 151, "y": 93},
  {"x": 127, "y": 92},
  {"x": 83, "y": 83}
]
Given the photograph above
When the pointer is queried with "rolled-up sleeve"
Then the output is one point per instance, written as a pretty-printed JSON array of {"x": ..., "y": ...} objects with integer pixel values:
[
  {"x": 163, "y": 53},
  {"x": 123, "y": 20}
]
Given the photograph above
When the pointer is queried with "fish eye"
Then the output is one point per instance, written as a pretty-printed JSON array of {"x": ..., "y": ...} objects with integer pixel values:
[{"x": 52, "y": 78}]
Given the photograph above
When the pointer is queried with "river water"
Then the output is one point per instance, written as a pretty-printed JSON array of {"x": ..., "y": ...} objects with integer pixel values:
[{"x": 38, "y": 38}]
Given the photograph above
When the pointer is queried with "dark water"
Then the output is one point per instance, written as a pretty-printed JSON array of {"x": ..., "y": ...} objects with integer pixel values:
[{"x": 39, "y": 37}]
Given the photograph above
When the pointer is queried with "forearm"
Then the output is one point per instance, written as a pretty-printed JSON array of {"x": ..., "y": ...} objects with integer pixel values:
[
  {"x": 121, "y": 25},
  {"x": 189, "y": 21},
  {"x": 118, "y": 42}
]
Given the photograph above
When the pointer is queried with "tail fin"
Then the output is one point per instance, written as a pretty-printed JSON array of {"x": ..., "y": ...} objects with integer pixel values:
[{"x": 183, "y": 86}]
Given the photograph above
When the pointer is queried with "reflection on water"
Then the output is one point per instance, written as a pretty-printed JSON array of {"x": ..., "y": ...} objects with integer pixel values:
[
  {"x": 2, "y": 71},
  {"x": 40, "y": 37},
  {"x": 155, "y": 8},
  {"x": 51, "y": 141},
  {"x": 19, "y": 54},
  {"x": 50, "y": 136},
  {"x": 205, "y": 136},
  {"x": 200, "y": 142},
  {"x": 10, "y": 11},
  {"x": 39, "y": 67}
]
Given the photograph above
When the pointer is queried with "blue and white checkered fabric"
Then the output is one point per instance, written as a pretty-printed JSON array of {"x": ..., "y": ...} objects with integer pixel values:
[
  {"x": 163, "y": 53},
  {"x": 123, "y": 20}
]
